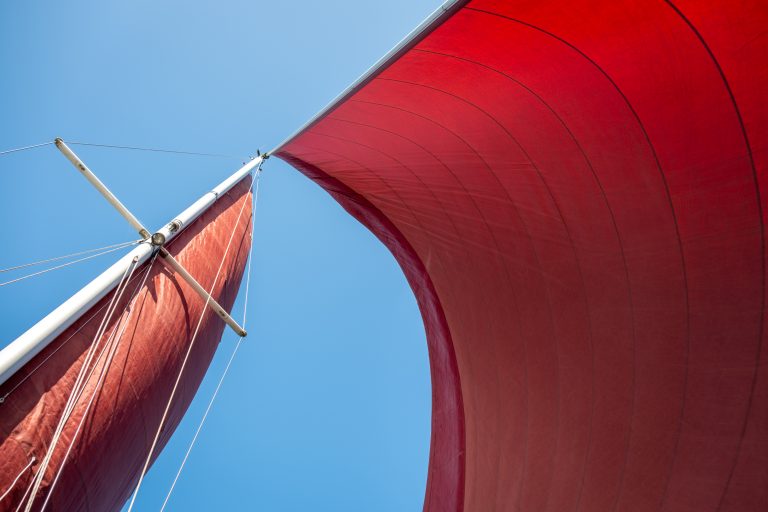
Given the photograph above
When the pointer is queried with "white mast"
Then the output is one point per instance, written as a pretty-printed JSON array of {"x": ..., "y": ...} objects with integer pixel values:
[{"x": 29, "y": 344}]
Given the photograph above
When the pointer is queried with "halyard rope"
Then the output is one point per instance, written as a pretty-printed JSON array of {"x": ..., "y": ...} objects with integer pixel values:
[
  {"x": 76, "y": 388},
  {"x": 112, "y": 344}
]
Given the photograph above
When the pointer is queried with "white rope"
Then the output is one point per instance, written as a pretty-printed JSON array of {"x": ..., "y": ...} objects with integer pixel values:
[
  {"x": 67, "y": 256},
  {"x": 90, "y": 373},
  {"x": 61, "y": 345},
  {"x": 234, "y": 352},
  {"x": 13, "y": 484},
  {"x": 24, "y": 496},
  {"x": 250, "y": 253},
  {"x": 112, "y": 343},
  {"x": 27, "y": 276},
  {"x": 200, "y": 426},
  {"x": 76, "y": 388},
  {"x": 184, "y": 361}
]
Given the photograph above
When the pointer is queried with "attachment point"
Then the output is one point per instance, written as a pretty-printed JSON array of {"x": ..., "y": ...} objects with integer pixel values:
[
  {"x": 158, "y": 239},
  {"x": 174, "y": 225}
]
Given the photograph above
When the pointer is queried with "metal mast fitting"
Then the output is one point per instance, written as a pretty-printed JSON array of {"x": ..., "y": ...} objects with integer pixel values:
[{"x": 157, "y": 239}]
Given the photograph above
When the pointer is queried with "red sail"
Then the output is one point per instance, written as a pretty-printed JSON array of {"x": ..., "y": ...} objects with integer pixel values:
[
  {"x": 107, "y": 457},
  {"x": 575, "y": 190}
]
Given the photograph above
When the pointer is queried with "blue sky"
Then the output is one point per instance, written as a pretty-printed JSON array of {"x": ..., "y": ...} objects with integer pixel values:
[{"x": 327, "y": 405}]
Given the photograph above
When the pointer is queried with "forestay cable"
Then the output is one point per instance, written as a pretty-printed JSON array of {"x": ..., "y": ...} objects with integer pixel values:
[
  {"x": 234, "y": 352},
  {"x": 186, "y": 357}
]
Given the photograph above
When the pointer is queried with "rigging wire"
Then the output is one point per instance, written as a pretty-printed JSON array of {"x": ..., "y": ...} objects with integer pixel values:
[
  {"x": 76, "y": 388},
  {"x": 200, "y": 426},
  {"x": 66, "y": 256},
  {"x": 24, "y": 496},
  {"x": 234, "y": 352},
  {"x": 15, "y": 481},
  {"x": 24, "y": 148},
  {"x": 113, "y": 146},
  {"x": 83, "y": 325},
  {"x": 184, "y": 361},
  {"x": 112, "y": 344},
  {"x": 78, "y": 385},
  {"x": 154, "y": 150},
  {"x": 33, "y": 274}
]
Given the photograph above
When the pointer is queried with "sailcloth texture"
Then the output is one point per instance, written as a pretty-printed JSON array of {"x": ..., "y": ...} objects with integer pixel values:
[
  {"x": 129, "y": 384},
  {"x": 576, "y": 192}
]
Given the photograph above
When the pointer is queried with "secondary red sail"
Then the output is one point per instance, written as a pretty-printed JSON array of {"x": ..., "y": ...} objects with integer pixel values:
[
  {"x": 576, "y": 193},
  {"x": 152, "y": 327}
]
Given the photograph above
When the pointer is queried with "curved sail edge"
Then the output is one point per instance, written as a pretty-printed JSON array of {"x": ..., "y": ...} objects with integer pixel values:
[{"x": 581, "y": 186}]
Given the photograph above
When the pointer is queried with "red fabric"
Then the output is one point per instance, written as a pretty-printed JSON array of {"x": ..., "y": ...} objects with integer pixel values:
[
  {"x": 104, "y": 466},
  {"x": 575, "y": 191}
]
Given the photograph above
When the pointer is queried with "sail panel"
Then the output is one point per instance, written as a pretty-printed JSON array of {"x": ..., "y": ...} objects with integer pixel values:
[
  {"x": 575, "y": 192},
  {"x": 153, "y": 326}
]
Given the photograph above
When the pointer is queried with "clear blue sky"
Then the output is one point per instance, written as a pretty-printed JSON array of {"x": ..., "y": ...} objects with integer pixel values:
[{"x": 327, "y": 406}]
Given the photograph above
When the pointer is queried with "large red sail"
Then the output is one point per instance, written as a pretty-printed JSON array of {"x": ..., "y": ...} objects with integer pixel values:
[
  {"x": 576, "y": 192},
  {"x": 153, "y": 327}
]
